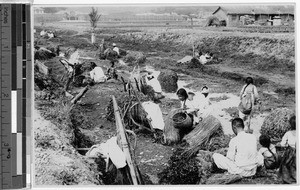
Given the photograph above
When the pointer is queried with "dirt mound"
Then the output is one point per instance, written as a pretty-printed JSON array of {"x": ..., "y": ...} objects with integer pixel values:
[
  {"x": 168, "y": 81},
  {"x": 180, "y": 170},
  {"x": 277, "y": 123},
  {"x": 56, "y": 160},
  {"x": 135, "y": 57},
  {"x": 109, "y": 54}
]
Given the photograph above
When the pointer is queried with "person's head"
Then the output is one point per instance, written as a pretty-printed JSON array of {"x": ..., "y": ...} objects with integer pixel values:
[
  {"x": 249, "y": 80},
  {"x": 112, "y": 62},
  {"x": 191, "y": 95},
  {"x": 292, "y": 122},
  {"x": 182, "y": 94},
  {"x": 93, "y": 65},
  {"x": 114, "y": 45},
  {"x": 237, "y": 125},
  {"x": 265, "y": 141},
  {"x": 205, "y": 91}
]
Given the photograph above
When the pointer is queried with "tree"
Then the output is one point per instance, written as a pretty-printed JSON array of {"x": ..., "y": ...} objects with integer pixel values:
[{"x": 94, "y": 18}]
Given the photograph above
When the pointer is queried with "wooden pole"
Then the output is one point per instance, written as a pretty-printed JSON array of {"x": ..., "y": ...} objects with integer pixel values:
[
  {"x": 78, "y": 96},
  {"x": 68, "y": 83},
  {"x": 124, "y": 144}
]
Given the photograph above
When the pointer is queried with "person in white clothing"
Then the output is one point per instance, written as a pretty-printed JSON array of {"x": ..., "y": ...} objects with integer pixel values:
[
  {"x": 288, "y": 162},
  {"x": 204, "y": 109},
  {"x": 154, "y": 83},
  {"x": 43, "y": 33},
  {"x": 249, "y": 89},
  {"x": 268, "y": 151},
  {"x": 154, "y": 115},
  {"x": 116, "y": 49},
  {"x": 97, "y": 74},
  {"x": 205, "y": 58},
  {"x": 290, "y": 137},
  {"x": 242, "y": 157},
  {"x": 187, "y": 104}
]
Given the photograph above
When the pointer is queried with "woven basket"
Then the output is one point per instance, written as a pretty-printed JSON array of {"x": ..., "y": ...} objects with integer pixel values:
[{"x": 182, "y": 120}]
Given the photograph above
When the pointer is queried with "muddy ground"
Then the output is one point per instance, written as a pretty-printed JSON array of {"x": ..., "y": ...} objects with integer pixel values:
[{"x": 269, "y": 59}]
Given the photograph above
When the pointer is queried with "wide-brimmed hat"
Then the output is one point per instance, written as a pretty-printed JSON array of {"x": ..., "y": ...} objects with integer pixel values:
[{"x": 114, "y": 44}]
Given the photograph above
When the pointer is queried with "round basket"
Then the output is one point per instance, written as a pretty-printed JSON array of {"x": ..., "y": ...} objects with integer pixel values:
[{"x": 182, "y": 120}]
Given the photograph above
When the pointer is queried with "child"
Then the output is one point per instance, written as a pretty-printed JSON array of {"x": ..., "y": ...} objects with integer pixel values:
[
  {"x": 111, "y": 72},
  {"x": 268, "y": 151}
]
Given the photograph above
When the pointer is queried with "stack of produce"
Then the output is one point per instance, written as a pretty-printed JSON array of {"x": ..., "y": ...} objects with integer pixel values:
[
  {"x": 168, "y": 81},
  {"x": 134, "y": 57},
  {"x": 277, "y": 124}
]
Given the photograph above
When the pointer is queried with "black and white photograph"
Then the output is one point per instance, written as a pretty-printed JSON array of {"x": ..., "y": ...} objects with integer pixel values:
[{"x": 164, "y": 94}]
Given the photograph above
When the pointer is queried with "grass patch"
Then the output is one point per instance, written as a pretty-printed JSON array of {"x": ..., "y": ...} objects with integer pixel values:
[
  {"x": 232, "y": 111},
  {"x": 286, "y": 91},
  {"x": 220, "y": 98}
]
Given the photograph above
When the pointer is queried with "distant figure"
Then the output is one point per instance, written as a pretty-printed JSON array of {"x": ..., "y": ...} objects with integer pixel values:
[
  {"x": 268, "y": 151},
  {"x": 249, "y": 97},
  {"x": 43, "y": 33},
  {"x": 242, "y": 156},
  {"x": 205, "y": 58},
  {"x": 116, "y": 49},
  {"x": 50, "y": 34},
  {"x": 111, "y": 71},
  {"x": 97, "y": 73}
]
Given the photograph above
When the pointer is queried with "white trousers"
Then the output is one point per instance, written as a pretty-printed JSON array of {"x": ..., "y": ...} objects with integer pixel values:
[
  {"x": 224, "y": 163},
  {"x": 246, "y": 118}
]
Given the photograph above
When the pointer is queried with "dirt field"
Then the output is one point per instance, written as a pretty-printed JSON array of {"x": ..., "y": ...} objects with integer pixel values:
[{"x": 268, "y": 58}]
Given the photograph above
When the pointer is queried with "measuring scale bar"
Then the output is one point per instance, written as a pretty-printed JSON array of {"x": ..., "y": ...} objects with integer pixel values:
[{"x": 6, "y": 95}]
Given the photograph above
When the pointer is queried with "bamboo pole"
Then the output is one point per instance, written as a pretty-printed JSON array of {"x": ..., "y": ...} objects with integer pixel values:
[{"x": 124, "y": 143}]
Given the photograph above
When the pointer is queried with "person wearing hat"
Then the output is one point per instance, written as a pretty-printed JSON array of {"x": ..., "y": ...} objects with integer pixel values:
[
  {"x": 116, "y": 49},
  {"x": 154, "y": 83},
  {"x": 97, "y": 74},
  {"x": 204, "y": 103}
]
